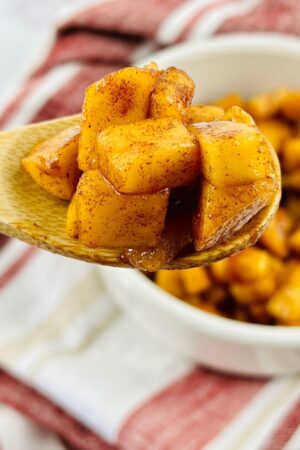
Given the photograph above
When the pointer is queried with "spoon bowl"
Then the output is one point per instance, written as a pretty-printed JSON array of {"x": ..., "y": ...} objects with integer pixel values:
[{"x": 29, "y": 213}]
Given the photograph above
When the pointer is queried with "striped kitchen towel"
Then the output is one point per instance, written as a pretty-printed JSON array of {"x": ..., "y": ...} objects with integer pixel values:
[{"x": 71, "y": 361}]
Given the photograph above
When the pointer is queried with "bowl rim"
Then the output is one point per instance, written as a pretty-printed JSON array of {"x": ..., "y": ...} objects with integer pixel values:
[
  {"x": 259, "y": 43},
  {"x": 229, "y": 329}
]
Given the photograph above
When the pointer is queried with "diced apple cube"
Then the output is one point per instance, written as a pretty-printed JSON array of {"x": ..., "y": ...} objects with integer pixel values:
[
  {"x": 232, "y": 153},
  {"x": 148, "y": 156},
  {"x": 53, "y": 163},
  {"x": 223, "y": 211},
  {"x": 120, "y": 97},
  {"x": 172, "y": 94},
  {"x": 291, "y": 154},
  {"x": 264, "y": 106},
  {"x": 109, "y": 219},
  {"x": 276, "y": 131}
]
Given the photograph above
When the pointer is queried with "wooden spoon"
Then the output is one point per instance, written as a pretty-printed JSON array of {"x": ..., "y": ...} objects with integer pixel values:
[{"x": 29, "y": 213}]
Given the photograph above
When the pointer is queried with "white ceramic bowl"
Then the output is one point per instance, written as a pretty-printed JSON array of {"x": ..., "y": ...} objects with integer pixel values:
[{"x": 247, "y": 64}]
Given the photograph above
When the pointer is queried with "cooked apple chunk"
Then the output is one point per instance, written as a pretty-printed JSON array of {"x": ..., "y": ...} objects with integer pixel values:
[
  {"x": 229, "y": 100},
  {"x": 53, "y": 163},
  {"x": 291, "y": 154},
  {"x": 148, "y": 156},
  {"x": 284, "y": 305},
  {"x": 204, "y": 113},
  {"x": 172, "y": 94},
  {"x": 224, "y": 210},
  {"x": 72, "y": 220},
  {"x": 290, "y": 105},
  {"x": 276, "y": 237},
  {"x": 120, "y": 97},
  {"x": 237, "y": 114},
  {"x": 109, "y": 219},
  {"x": 264, "y": 106},
  {"x": 277, "y": 132},
  {"x": 232, "y": 153},
  {"x": 176, "y": 236}
]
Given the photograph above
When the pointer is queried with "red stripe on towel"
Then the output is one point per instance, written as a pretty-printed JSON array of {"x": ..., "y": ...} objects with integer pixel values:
[
  {"x": 285, "y": 429},
  {"x": 282, "y": 16},
  {"x": 133, "y": 17},
  {"x": 45, "y": 413},
  {"x": 3, "y": 240},
  {"x": 8, "y": 275},
  {"x": 86, "y": 47},
  {"x": 188, "y": 414}
]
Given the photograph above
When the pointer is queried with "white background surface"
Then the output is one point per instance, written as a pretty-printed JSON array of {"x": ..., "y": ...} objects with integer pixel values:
[{"x": 24, "y": 28}]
